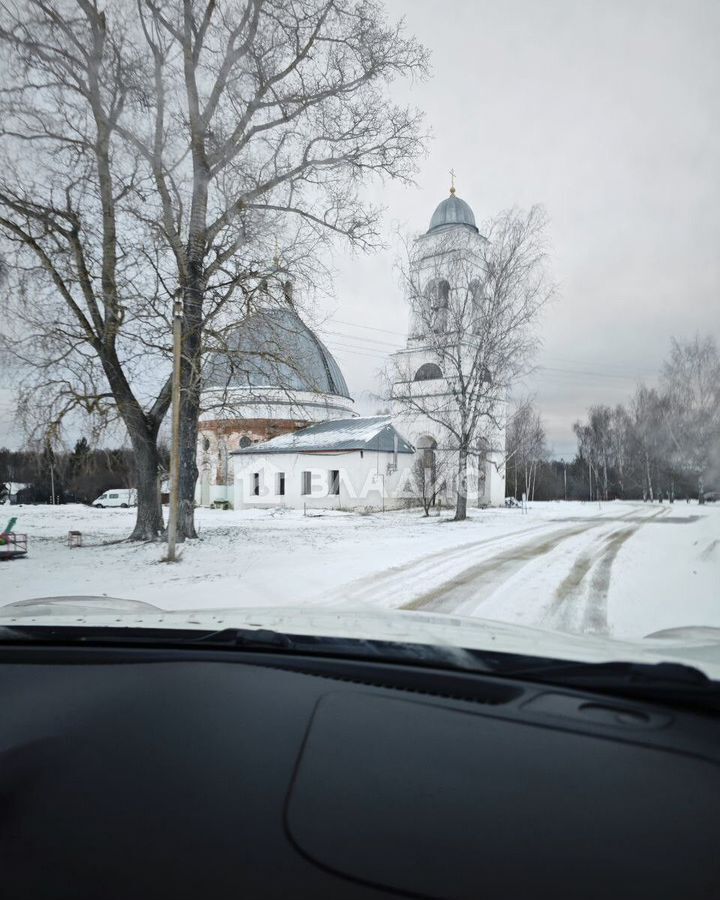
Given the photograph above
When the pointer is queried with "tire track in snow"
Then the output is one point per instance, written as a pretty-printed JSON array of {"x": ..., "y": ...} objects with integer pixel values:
[
  {"x": 392, "y": 580},
  {"x": 443, "y": 568},
  {"x": 479, "y": 582},
  {"x": 581, "y": 606}
]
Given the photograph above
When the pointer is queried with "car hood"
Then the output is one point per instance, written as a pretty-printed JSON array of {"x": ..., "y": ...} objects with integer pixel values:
[{"x": 693, "y": 645}]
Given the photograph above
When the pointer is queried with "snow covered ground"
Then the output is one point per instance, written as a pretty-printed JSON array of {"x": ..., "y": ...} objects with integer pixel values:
[{"x": 622, "y": 569}]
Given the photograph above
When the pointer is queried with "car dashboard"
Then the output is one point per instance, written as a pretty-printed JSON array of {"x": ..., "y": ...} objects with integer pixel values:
[{"x": 217, "y": 774}]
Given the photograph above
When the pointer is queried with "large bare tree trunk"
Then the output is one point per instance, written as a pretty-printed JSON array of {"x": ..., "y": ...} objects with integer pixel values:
[
  {"x": 149, "y": 522},
  {"x": 190, "y": 403},
  {"x": 142, "y": 430},
  {"x": 461, "y": 502}
]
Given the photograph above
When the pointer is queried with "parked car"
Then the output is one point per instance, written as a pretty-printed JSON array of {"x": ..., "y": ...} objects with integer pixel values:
[{"x": 123, "y": 497}]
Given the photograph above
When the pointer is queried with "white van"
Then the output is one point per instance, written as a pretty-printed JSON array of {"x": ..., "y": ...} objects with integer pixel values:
[{"x": 123, "y": 497}]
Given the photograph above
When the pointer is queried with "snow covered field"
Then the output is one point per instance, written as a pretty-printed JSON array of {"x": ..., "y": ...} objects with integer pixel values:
[{"x": 624, "y": 569}]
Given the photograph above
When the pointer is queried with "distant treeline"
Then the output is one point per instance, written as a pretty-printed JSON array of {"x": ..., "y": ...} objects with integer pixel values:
[
  {"x": 77, "y": 476},
  {"x": 548, "y": 479},
  {"x": 664, "y": 443}
]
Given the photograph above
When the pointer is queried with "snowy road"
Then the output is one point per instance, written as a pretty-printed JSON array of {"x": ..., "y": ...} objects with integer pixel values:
[
  {"x": 623, "y": 569},
  {"x": 579, "y": 601},
  {"x": 562, "y": 574}
]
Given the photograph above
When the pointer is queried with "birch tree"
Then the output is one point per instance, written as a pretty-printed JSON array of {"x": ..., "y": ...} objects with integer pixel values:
[
  {"x": 477, "y": 317},
  {"x": 691, "y": 380},
  {"x": 525, "y": 447},
  {"x": 153, "y": 149}
]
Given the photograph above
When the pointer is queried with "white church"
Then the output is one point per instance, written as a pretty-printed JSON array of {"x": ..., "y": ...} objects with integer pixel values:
[{"x": 279, "y": 428}]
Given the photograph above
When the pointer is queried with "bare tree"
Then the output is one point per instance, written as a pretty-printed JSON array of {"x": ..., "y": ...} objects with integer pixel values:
[
  {"x": 474, "y": 310},
  {"x": 620, "y": 431},
  {"x": 595, "y": 444},
  {"x": 691, "y": 379},
  {"x": 664, "y": 436},
  {"x": 525, "y": 447},
  {"x": 161, "y": 148},
  {"x": 431, "y": 471},
  {"x": 648, "y": 411}
]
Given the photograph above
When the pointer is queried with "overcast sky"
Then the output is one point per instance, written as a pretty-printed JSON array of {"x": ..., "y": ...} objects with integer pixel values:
[{"x": 608, "y": 114}]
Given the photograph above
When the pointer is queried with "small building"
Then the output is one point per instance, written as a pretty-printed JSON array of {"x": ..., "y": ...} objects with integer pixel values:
[{"x": 356, "y": 463}]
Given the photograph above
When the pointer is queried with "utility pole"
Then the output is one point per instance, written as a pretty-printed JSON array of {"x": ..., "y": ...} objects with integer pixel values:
[
  {"x": 564, "y": 465},
  {"x": 175, "y": 440}
]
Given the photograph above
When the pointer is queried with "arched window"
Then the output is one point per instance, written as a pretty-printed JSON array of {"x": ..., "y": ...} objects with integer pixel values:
[
  {"x": 485, "y": 375},
  {"x": 438, "y": 295},
  {"x": 476, "y": 303},
  {"x": 428, "y": 372},
  {"x": 206, "y": 444}
]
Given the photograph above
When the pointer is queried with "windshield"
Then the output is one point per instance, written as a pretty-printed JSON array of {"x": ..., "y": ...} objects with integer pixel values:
[{"x": 392, "y": 325}]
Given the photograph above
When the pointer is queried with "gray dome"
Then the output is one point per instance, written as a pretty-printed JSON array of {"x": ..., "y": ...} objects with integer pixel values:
[
  {"x": 274, "y": 348},
  {"x": 452, "y": 211}
]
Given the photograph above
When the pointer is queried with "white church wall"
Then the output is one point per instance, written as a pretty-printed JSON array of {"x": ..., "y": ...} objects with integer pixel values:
[{"x": 367, "y": 479}]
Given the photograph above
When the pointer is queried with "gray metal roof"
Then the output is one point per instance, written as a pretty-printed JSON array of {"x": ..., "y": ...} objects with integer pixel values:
[
  {"x": 452, "y": 211},
  {"x": 274, "y": 348},
  {"x": 368, "y": 433}
]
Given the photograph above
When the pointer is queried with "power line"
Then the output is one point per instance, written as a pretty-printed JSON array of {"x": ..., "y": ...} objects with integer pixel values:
[
  {"x": 359, "y": 337},
  {"x": 375, "y": 348},
  {"x": 358, "y": 351},
  {"x": 557, "y": 369},
  {"x": 369, "y": 327}
]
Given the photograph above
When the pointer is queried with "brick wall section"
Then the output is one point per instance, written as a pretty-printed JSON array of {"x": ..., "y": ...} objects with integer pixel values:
[{"x": 218, "y": 436}]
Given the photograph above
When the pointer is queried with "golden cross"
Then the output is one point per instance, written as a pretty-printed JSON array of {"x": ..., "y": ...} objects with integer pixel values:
[{"x": 452, "y": 182}]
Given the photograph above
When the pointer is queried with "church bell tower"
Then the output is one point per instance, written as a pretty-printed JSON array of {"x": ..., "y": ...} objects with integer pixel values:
[{"x": 453, "y": 238}]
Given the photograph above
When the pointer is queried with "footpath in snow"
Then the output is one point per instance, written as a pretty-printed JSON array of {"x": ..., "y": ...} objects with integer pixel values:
[{"x": 624, "y": 569}]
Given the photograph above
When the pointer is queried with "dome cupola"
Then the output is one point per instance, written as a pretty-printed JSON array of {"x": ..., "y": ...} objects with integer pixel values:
[
  {"x": 273, "y": 348},
  {"x": 452, "y": 211}
]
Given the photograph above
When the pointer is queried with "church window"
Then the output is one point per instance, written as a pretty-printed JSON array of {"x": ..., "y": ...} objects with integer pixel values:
[
  {"x": 280, "y": 483},
  {"x": 334, "y": 482},
  {"x": 477, "y": 301},
  {"x": 428, "y": 372},
  {"x": 256, "y": 484},
  {"x": 206, "y": 444},
  {"x": 307, "y": 483},
  {"x": 438, "y": 296},
  {"x": 244, "y": 442}
]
